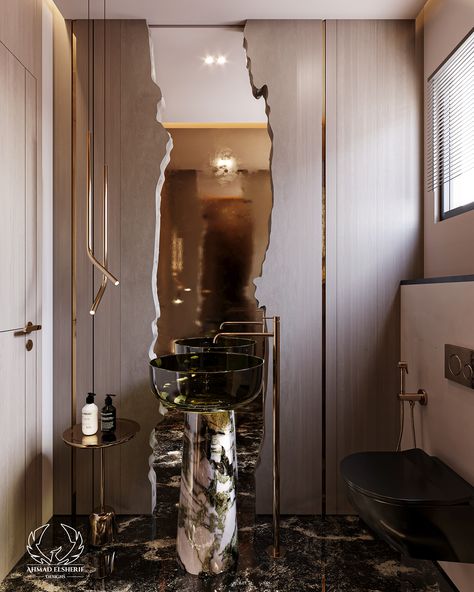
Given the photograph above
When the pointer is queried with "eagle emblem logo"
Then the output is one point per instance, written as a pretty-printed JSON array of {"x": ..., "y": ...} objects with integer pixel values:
[{"x": 58, "y": 556}]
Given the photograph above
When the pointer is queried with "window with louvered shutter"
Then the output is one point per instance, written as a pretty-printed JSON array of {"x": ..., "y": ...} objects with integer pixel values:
[{"x": 450, "y": 128}]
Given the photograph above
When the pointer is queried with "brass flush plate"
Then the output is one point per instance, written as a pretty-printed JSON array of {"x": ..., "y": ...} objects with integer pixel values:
[{"x": 459, "y": 364}]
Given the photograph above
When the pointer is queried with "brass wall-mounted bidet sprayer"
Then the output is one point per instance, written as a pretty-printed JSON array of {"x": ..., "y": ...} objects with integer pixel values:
[{"x": 420, "y": 397}]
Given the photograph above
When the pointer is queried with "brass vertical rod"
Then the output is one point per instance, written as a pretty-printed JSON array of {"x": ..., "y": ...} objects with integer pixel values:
[
  {"x": 276, "y": 437},
  {"x": 73, "y": 262},
  {"x": 323, "y": 273},
  {"x": 105, "y": 240},
  {"x": 90, "y": 219},
  {"x": 102, "y": 480},
  {"x": 275, "y": 550}
]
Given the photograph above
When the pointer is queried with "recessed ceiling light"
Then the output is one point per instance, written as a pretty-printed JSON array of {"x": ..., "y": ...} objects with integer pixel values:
[
  {"x": 221, "y": 60},
  {"x": 209, "y": 60}
]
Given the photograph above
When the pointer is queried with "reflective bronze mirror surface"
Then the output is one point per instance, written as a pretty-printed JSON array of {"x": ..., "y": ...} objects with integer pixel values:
[
  {"x": 214, "y": 218},
  {"x": 215, "y": 215}
]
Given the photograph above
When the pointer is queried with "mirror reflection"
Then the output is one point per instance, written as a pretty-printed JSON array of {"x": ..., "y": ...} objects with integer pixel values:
[{"x": 217, "y": 197}]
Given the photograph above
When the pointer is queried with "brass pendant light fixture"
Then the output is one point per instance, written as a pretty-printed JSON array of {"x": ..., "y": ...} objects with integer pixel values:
[{"x": 102, "y": 266}]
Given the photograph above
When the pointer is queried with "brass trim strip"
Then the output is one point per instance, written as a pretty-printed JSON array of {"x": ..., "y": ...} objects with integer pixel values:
[{"x": 73, "y": 262}]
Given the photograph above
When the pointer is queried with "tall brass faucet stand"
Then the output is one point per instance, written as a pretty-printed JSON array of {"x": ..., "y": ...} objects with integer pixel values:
[{"x": 275, "y": 550}]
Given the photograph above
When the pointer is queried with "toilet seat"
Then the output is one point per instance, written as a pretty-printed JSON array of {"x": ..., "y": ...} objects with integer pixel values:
[{"x": 408, "y": 478}]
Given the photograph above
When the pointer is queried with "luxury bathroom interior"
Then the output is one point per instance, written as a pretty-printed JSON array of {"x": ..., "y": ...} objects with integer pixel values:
[{"x": 236, "y": 294}]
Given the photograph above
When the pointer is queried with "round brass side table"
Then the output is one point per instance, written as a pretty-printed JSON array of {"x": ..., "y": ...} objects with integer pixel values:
[{"x": 102, "y": 519}]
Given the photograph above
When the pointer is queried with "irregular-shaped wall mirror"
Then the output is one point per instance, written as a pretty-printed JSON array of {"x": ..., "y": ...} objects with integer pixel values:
[{"x": 217, "y": 197}]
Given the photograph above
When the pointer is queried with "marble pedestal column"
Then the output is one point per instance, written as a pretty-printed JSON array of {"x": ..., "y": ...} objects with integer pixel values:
[{"x": 207, "y": 519}]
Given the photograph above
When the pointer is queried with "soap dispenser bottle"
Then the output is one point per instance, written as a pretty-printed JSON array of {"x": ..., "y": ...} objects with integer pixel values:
[
  {"x": 90, "y": 416},
  {"x": 108, "y": 415}
]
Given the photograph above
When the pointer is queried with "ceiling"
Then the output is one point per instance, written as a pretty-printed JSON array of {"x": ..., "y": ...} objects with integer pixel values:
[
  {"x": 220, "y": 12},
  {"x": 196, "y": 92}
]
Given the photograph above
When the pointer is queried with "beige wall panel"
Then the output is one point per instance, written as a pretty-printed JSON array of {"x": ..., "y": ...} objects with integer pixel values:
[
  {"x": 285, "y": 57},
  {"x": 448, "y": 243},
  {"x": 62, "y": 218},
  {"x": 143, "y": 147},
  {"x": 433, "y": 315},
  {"x": 20, "y": 31},
  {"x": 373, "y": 230},
  {"x": 12, "y": 192}
]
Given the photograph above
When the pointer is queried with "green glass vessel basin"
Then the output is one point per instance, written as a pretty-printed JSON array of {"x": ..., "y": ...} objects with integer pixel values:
[
  {"x": 206, "y": 344},
  {"x": 206, "y": 382}
]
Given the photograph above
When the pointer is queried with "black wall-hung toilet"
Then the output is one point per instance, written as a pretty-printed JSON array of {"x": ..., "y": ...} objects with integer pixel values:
[{"x": 414, "y": 501}]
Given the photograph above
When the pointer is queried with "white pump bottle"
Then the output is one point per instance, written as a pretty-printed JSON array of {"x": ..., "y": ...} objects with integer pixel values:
[{"x": 90, "y": 416}]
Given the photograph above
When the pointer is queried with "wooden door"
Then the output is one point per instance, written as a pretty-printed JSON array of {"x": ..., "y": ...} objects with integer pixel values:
[{"x": 20, "y": 486}]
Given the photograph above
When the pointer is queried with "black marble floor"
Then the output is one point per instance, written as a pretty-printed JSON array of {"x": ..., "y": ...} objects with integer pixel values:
[
  {"x": 338, "y": 550},
  {"x": 334, "y": 554}
]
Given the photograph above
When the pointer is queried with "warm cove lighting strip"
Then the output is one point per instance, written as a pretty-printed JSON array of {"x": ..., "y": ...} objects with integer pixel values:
[{"x": 214, "y": 125}]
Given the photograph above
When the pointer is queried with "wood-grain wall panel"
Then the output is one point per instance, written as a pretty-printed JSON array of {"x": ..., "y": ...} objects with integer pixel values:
[
  {"x": 143, "y": 148},
  {"x": 107, "y": 362},
  {"x": 84, "y": 275},
  {"x": 374, "y": 231},
  {"x": 112, "y": 350},
  {"x": 285, "y": 59},
  {"x": 20, "y": 32},
  {"x": 62, "y": 260}
]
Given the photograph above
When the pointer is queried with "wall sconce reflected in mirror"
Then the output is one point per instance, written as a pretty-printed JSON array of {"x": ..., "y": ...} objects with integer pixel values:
[{"x": 224, "y": 165}]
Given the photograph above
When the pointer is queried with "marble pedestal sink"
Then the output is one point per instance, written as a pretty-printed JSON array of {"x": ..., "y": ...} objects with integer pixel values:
[{"x": 207, "y": 387}]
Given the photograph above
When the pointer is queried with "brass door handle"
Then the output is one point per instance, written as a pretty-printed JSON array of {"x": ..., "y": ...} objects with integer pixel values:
[{"x": 29, "y": 328}]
